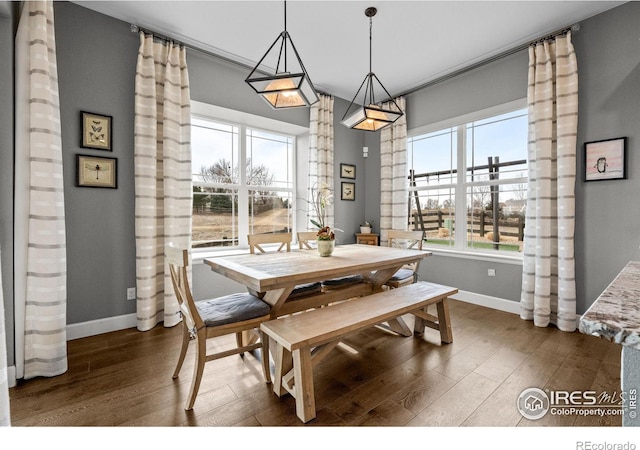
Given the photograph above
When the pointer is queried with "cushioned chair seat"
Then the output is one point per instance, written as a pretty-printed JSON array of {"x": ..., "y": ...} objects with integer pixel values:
[
  {"x": 231, "y": 308},
  {"x": 402, "y": 274},
  {"x": 302, "y": 290},
  {"x": 342, "y": 281}
]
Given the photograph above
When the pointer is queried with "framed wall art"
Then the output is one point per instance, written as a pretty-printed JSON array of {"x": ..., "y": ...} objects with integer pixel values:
[
  {"x": 606, "y": 160},
  {"x": 96, "y": 131},
  {"x": 347, "y": 171},
  {"x": 348, "y": 191},
  {"x": 95, "y": 171}
]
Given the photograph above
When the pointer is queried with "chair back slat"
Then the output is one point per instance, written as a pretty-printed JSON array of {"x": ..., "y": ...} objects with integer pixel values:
[
  {"x": 305, "y": 238},
  {"x": 178, "y": 260},
  {"x": 256, "y": 240},
  {"x": 407, "y": 240}
]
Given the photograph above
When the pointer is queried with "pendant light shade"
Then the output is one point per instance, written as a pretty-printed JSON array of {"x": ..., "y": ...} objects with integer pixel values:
[
  {"x": 283, "y": 88},
  {"x": 372, "y": 115}
]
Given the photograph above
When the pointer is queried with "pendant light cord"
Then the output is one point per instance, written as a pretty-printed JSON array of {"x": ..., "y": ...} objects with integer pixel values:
[{"x": 285, "y": 36}]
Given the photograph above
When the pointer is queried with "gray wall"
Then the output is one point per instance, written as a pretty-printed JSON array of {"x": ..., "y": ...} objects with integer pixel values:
[
  {"x": 6, "y": 175},
  {"x": 96, "y": 70},
  {"x": 607, "y": 212},
  {"x": 348, "y": 150}
]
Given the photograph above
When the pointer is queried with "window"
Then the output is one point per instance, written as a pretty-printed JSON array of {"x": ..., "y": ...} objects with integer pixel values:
[
  {"x": 243, "y": 182},
  {"x": 468, "y": 182}
]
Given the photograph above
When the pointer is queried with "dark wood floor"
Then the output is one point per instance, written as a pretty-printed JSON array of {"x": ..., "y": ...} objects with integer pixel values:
[{"x": 124, "y": 378}]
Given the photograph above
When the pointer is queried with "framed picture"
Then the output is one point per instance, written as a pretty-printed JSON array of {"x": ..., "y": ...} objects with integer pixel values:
[
  {"x": 348, "y": 191},
  {"x": 96, "y": 131},
  {"x": 95, "y": 171},
  {"x": 606, "y": 160},
  {"x": 347, "y": 171}
]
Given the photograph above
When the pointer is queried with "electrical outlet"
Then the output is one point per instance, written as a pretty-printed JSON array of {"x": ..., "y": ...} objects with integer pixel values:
[
  {"x": 131, "y": 293},
  {"x": 491, "y": 272}
]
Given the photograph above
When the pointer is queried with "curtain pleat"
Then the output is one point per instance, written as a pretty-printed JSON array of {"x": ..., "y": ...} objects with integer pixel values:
[
  {"x": 5, "y": 413},
  {"x": 548, "y": 271},
  {"x": 393, "y": 174},
  {"x": 321, "y": 152},
  {"x": 163, "y": 183},
  {"x": 40, "y": 240}
]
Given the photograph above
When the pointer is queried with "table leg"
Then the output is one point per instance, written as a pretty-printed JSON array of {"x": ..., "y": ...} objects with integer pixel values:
[
  {"x": 397, "y": 325},
  {"x": 303, "y": 379}
]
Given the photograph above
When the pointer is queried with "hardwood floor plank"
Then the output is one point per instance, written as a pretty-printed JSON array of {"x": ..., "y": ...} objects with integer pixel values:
[
  {"x": 458, "y": 403},
  {"x": 501, "y": 364},
  {"x": 418, "y": 395}
]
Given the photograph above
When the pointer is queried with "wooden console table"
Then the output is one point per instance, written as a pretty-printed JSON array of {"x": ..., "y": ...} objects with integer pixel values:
[{"x": 367, "y": 238}]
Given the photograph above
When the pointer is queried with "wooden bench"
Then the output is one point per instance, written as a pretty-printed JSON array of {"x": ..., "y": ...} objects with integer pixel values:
[{"x": 303, "y": 340}]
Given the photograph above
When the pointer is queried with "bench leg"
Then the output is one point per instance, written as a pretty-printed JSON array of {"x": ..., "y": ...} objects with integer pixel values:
[
  {"x": 283, "y": 364},
  {"x": 399, "y": 326},
  {"x": 303, "y": 384},
  {"x": 444, "y": 321}
]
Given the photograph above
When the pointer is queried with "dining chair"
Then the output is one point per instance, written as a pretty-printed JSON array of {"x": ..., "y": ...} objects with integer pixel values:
[
  {"x": 207, "y": 319},
  {"x": 305, "y": 239},
  {"x": 408, "y": 274},
  {"x": 284, "y": 239},
  {"x": 256, "y": 240}
]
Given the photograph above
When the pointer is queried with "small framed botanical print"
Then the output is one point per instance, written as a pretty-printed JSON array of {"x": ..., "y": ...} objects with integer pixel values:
[
  {"x": 347, "y": 171},
  {"x": 96, "y": 131},
  {"x": 94, "y": 171},
  {"x": 348, "y": 191}
]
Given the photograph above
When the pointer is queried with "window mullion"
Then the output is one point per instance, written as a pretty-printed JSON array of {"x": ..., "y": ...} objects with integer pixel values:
[
  {"x": 243, "y": 190},
  {"x": 460, "y": 240}
]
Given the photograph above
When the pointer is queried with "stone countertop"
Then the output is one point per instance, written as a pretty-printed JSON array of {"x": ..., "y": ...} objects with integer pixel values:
[{"x": 615, "y": 315}]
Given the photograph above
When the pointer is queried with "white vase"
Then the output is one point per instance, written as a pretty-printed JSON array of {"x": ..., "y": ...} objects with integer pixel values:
[
  {"x": 325, "y": 248},
  {"x": 365, "y": 230}
]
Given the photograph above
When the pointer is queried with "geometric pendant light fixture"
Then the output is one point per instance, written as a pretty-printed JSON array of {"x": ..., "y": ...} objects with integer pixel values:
[
  {"x": 284, "y": 88},
  {"x": 371, "y": 116}
]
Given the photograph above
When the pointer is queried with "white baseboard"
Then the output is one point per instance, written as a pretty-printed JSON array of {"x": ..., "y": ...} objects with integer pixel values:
[
  {"x": 94, "y": 327},
  {"x": 497, "y": 303},
  {"x": 500, "y": 304}
]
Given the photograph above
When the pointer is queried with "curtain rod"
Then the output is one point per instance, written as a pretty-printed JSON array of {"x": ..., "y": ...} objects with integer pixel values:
[
  {"x": 573, "y": 28},
  {"x": 137, "y": 29}
]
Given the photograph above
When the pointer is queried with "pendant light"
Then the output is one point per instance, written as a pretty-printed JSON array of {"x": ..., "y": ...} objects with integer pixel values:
[
  {"x": 371, "y": 116},
  {"x": 283, "y": 89}
]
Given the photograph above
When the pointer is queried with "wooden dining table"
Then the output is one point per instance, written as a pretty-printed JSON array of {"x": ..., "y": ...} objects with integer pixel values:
[{"x": 273, "y": 276}]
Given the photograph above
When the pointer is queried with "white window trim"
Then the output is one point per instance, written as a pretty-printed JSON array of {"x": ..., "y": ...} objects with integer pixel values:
[
  {"x": 243, "y": 121},
  {"x": 460, "y": 239}
]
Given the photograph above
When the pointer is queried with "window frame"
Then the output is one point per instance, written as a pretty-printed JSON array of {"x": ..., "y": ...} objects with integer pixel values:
[
  {"x": 461, "y": 185},
  {"x": 244, "y": 121}
]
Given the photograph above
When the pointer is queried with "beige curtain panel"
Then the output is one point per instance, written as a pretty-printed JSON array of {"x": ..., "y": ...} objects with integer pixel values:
[
  {"x": 40, "y": 239},
  {"x": 393, "y": 174},
  {"x": 163, "y": 187},
  {"x": 548, "y": 271},
  {"x": 5, "y": 413},
  {"x": 321, "y": 152}
]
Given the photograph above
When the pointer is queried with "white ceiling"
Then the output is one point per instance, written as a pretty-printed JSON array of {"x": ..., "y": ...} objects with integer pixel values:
[{"x": 414, "y": 42}]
